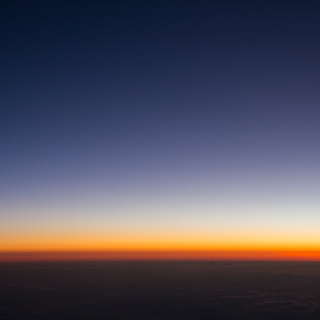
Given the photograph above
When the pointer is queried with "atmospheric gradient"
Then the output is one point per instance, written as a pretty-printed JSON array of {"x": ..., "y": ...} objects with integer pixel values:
[{"x": 160, "y": 131}]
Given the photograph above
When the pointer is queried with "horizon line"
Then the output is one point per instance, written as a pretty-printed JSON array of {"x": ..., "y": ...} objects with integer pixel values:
[{"x": 149, "y": 255}]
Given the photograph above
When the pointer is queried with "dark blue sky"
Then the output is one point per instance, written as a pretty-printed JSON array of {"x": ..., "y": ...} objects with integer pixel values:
[{"x": 109, "y": 96}]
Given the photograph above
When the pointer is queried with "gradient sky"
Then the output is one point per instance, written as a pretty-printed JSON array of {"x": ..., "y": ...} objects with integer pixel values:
[{"x": 179, "y": 125}]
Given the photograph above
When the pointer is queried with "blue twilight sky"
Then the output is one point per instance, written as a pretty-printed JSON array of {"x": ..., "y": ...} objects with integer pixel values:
[{"x": 174, "y": 117}]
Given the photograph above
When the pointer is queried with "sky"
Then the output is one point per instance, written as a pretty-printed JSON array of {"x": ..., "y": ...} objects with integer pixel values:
[{"x": 175, "y": 126}]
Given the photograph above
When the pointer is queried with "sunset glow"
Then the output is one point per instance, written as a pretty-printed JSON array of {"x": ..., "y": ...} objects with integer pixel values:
[
  {"x": 150, "y": 143},
  {"x": 160, "y": 160}
]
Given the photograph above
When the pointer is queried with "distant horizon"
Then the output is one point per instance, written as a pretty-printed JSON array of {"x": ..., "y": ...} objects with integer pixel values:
[{"x": 153, "y": 255}]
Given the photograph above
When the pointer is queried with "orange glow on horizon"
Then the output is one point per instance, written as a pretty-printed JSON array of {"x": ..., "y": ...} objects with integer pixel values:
[
  {"x": 78, "y": 247},
  {"x": 160, "y": 255}
]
